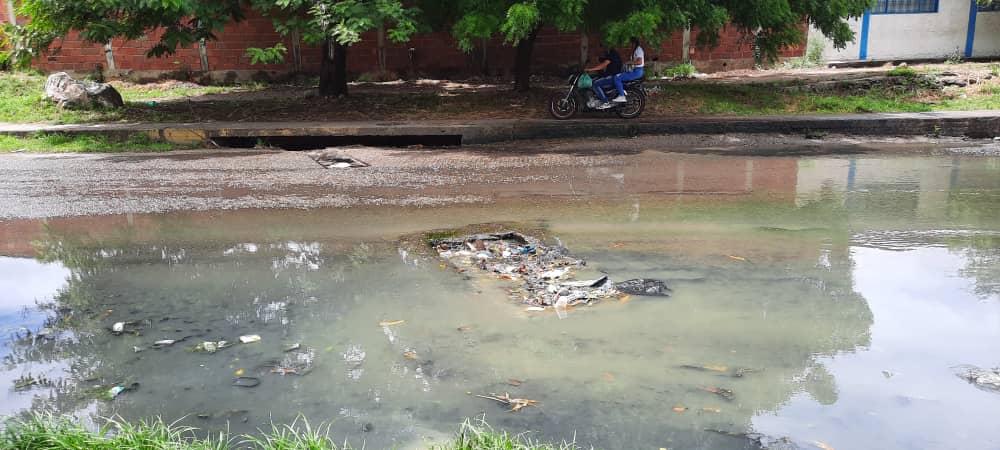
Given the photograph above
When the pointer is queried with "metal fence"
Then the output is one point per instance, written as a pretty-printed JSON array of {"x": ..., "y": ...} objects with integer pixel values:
[{"x": 905, "y": 6}]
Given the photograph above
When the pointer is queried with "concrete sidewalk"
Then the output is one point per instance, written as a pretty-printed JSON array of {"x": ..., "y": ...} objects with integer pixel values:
[{"x": 975, "y": 124}]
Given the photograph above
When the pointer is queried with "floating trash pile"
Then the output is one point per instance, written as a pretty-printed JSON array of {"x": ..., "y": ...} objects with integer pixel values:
[
  {"x": 985, "y": 379},
  {"x": 545, "y": 273}
]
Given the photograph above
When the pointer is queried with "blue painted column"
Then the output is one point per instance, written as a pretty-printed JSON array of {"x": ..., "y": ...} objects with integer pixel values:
[
  {"x": 971, "y": 37},
  {"x": 866, "y": 22}
]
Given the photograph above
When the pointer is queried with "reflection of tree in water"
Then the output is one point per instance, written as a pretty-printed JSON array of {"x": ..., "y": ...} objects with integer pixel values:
[
  {"x": 983, "y": 262},
  {"x": 154, "y": 280},
  {"x": 783, "y": 313},
  {"x": 228, "y": 284}
]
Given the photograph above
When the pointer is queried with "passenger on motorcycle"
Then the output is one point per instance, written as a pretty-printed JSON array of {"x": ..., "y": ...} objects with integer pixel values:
[
  {"x": 608, "y": 66},
  {"x": 633, "y": 73}
]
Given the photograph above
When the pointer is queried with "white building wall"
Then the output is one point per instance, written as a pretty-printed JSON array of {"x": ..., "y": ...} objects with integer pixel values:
[
  {"x": 932, "y": 35},
  {"x": 848, "y": 53},
  {"x": 917, "y": 36},
  {"x": 987, "y": 42}
]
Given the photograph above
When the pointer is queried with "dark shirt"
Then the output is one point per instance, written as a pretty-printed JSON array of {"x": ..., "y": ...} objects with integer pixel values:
[{"x": 615, "y": 66}]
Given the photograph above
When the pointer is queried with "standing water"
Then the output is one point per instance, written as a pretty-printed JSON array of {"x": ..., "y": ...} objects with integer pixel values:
[{"x": 828, "y": 301}]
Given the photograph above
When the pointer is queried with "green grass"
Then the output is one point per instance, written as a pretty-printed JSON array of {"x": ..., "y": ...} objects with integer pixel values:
[
  {"x": 21, "y": 101},
  {"x": 478, "y": 435},
  {"x": 59, "y": 143},
  {"x": 49, "y": 432},
  {"x": 141, "y": 93},
  {"x": 902, "y": 71}
]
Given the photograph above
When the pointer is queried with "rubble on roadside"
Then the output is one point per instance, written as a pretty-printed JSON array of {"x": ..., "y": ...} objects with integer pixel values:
[{"x": 544, "y": 273}]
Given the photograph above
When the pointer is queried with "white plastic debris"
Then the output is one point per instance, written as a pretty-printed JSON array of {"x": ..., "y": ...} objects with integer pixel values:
[
  {"x": 113, "y": 392},
  {"x": 118, "y": 327},
  {"x": 554, "y": 273},
  {"x": 249, "y": 338}
]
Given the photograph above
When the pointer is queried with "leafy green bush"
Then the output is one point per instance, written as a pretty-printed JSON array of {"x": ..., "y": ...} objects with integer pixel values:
[
  {"x": 684, "y": 70},
  {"x": 269, "y": 55}
]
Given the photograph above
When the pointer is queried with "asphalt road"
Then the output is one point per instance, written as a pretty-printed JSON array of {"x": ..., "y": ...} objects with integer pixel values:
[{"x": 54, "y": 185}]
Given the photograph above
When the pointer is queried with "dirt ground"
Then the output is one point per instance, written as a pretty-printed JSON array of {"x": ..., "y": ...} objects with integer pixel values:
[{"x": 52, "y": 185}]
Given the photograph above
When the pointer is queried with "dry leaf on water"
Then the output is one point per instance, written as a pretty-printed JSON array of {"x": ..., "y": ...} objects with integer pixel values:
[
  {"x": 391, "y": 324},
  {"x": 680, "y": 409}
]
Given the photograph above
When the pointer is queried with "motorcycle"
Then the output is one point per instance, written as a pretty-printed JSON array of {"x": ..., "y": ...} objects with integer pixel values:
[{"x": 563, "y": 106}]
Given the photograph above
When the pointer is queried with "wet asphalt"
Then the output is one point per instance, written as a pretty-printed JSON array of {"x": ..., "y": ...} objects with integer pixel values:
[{"x": 36, "y": 186}]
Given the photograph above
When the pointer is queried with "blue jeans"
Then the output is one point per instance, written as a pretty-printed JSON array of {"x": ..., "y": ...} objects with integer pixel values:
[
  {"x": 600, "y": 84},
  {"x": 635, "y": 74}
]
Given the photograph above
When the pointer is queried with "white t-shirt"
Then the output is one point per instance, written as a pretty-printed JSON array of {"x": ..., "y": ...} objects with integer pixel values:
[{"x": 639, "y": 54}]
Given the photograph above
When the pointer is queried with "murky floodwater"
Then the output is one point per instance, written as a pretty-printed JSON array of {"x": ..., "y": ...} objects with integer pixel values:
[{"x": 850, "y": 286}]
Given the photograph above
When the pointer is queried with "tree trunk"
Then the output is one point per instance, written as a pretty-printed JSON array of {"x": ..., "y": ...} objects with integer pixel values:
[
  {"x": 584, "y": 48},
  {"x": 522, "y": 62},
  {"x": 333, "y": 70},
  {"x": 380, "y": 52}
]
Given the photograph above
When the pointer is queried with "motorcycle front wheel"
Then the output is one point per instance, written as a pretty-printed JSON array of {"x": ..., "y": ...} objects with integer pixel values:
[
  {"x": 561, "y": 107},
  {"x": 635, "y": 103}
]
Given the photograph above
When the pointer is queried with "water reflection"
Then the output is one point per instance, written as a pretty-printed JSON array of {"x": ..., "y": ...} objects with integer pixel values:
[{"x": 817, "y": 274}]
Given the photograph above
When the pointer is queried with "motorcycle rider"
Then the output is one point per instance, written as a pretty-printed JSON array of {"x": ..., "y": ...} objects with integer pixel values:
[
  {"x": 634, "y": 73},
  {"x": 607, "y": 67}
]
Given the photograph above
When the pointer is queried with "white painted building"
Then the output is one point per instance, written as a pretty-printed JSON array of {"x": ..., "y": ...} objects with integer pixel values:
[{"x": 918, "y": 29}]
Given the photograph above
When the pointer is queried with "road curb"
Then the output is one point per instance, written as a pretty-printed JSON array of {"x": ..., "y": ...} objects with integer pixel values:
[{"x": 974, "y": 124}]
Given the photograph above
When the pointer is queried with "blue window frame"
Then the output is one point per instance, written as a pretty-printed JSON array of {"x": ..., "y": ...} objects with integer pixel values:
[
  {"x": 905, "y": 7},
  {"x": 988, "y": 6}
]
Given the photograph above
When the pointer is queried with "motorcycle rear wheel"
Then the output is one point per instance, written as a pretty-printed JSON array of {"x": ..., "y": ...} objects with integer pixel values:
[
  {"x": 561, "y": 107},
  {"x": 634, "y": 105}
]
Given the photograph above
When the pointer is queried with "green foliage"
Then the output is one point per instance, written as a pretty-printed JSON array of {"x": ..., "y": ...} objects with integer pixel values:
[
  {"x": 341, "y": 21},
  {"x": 269, "y": 55},
  {"x": 995, "y": 70},
  {"x": 478, "y": 435},
  {"x": 902, "y": 71},
  {"x": 685, "y": 70},
  {"x": 61, "y": 143},
  {"x": 183, "y": 22},
  {"x": 955, "y": 57},
  {"x": 45, "y": 431},
  {"x": 514, "y": 20}
]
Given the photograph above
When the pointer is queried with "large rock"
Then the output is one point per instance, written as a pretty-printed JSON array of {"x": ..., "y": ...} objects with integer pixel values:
[{"x": 69, "y": 93}]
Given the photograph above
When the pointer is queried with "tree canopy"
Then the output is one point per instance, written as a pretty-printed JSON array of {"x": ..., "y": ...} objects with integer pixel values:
[{"x": 768, "y": 25}]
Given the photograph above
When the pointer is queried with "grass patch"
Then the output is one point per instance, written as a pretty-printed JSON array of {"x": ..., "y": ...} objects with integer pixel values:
[
  {"x": 479, "y": 435},
  {"x": 21, "y": 101},
  {"x": 61, "y": 143},
  {"x": 158, "y": 91},
  {"x": 902, "y": 71},
  {"x": 50, "y": 432}
]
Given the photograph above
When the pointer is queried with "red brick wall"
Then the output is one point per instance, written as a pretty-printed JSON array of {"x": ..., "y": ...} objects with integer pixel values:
[
  {"x": 733, "y": 51},
  {"x": 435, "y": 53}
]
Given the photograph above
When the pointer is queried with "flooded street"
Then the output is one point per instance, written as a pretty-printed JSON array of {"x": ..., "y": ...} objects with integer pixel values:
[{"x": 823, "y": 299}]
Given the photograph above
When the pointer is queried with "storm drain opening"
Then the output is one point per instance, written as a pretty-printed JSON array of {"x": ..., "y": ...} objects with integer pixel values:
[
  {"x": 333, "y": 158},
  {"x": 298, "y": 143}
]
